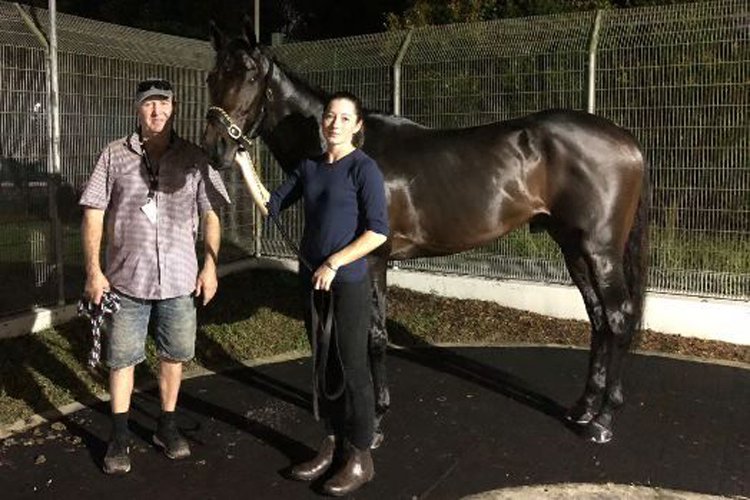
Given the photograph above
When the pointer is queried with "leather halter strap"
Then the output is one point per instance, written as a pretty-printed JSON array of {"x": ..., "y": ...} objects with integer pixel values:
[{"x": 217, "y": 116}]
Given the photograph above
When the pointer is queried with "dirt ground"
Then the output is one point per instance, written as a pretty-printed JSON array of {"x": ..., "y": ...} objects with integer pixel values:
[{"x": 445, "y": 320}]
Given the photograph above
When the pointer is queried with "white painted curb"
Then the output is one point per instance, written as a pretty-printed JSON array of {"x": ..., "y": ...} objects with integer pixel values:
[
  {"x": 709, "y": 319},
  {"x": 37, "y": 320}
]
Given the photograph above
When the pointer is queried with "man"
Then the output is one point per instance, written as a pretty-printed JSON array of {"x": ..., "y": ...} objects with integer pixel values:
[{"x": 154, "y": 188}]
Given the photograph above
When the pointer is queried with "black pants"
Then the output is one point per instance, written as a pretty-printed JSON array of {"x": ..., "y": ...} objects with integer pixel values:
[{"x": 351, "y": 415}]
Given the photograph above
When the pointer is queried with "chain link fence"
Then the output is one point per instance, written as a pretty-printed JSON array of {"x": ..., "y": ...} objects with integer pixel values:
[{"x": 677, "y": 76}]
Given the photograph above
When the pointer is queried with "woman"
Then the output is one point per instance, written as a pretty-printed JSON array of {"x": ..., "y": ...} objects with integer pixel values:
[{"x": 345, "y": 219}]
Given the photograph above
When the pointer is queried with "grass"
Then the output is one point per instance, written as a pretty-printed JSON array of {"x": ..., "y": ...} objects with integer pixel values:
[
  {"x": 42, "y": 371},
  {"x": 257, "y": 314}
]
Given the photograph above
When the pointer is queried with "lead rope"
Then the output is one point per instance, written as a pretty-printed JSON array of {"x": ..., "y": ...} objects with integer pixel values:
[
  {"x": 109, "y": 304},
  {"x": 323, "y": 332}
]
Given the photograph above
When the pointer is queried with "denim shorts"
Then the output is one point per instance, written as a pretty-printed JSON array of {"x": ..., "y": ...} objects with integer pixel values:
[{"x": 173, "y": 323}]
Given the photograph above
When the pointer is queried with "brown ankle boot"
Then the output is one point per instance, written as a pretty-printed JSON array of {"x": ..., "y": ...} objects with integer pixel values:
[
  {"x": 313, "y": 469},
  {"x": 357, "y": 471}
]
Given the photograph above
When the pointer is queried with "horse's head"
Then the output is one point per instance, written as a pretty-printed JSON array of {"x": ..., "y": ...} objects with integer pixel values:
[{"x": 237, "y": 87}]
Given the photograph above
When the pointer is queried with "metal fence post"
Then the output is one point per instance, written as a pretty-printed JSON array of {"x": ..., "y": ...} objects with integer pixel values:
[
  {"x": 397, "y": 73},
  {"x": 53, "y": 137},
  {"x": 54, "y": 99},
  {"x": 257, "y": 217},
  {"x": 593, "y": 44}
]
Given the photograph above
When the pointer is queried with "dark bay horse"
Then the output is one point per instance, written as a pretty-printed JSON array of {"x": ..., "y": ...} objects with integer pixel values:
[{"x": 578, "y": 176}]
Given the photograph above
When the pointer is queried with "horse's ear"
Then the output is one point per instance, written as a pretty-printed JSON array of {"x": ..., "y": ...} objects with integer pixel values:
[
  {"x": 249, "y": 31},
  {"x": 218, "y": 39}
]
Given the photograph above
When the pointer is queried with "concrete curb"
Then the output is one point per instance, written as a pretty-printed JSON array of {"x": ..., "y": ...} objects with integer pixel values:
[{"x": 587, "y": 491}]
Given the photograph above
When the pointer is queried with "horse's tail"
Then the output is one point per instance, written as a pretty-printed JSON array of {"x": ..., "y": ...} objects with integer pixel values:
[{"x": 637, "y": 253}]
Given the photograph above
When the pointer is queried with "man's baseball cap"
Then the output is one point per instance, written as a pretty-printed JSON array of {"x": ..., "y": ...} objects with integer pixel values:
[{"x": 151, "y": 87}]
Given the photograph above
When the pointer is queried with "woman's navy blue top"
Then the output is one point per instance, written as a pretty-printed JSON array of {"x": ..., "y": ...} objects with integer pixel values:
[{"x": 342, "y": 200}]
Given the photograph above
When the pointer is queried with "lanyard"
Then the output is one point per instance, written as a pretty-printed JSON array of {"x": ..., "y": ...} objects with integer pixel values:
[{"x": 153, "y": 174}]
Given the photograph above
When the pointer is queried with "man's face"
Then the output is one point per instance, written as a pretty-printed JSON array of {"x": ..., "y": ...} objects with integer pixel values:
[{"x": 155, "y": 114}]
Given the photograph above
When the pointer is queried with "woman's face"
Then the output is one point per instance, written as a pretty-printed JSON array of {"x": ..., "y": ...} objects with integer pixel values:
[{"x": 340, "y": 122}]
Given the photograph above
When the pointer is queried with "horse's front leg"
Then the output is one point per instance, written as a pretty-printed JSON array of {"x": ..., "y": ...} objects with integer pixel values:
[{"x": 378, "y": 344}]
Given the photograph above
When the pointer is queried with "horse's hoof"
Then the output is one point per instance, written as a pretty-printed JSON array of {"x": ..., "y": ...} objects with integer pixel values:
[
  {"x": 377, "y": 440},
  {"x": 598, "y": 433},
  {"x": 579, "y": 415}
]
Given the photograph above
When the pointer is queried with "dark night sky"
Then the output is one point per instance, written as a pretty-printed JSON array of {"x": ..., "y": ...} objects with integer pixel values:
[
  {"x": 298, "y": 19},
  {"x": 304, "y": 19}
]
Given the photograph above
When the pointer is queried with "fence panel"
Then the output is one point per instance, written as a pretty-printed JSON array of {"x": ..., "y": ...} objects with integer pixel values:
[
  {"x": 677, "y": 76},
  {"x": 99, "y": 66},
  {"x": 476, "y": 73}
]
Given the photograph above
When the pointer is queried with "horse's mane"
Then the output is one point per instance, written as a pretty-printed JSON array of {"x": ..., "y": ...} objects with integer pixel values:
[
  {"x": 295, "y": 77},
  {"x": 323, "y": 95}
]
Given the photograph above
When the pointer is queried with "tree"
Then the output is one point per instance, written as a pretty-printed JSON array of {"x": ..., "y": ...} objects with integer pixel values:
[{"x": 433, "y": 12}]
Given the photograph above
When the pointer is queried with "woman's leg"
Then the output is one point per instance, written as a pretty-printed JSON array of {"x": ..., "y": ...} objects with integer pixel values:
[{"x": 352, "y": 314}]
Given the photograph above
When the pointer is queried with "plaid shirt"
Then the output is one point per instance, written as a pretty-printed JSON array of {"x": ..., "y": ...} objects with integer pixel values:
[{"x": 149, "y": 260}]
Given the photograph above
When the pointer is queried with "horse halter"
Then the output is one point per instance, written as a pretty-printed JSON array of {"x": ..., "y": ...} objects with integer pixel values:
[{"x": 217, "y": 115}]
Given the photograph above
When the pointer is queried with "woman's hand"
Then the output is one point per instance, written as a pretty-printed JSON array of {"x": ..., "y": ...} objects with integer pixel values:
[{"x": 323, "y": 276}]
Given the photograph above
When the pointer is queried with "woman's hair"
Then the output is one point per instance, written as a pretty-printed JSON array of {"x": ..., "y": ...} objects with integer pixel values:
[{"x": 359, "y": 138}]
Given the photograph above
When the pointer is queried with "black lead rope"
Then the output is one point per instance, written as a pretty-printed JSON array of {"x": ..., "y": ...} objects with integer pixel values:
[{"x": 323, "y": 334}]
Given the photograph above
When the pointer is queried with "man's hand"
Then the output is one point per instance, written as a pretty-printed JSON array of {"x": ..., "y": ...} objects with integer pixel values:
[
  {"x": 96, "y": 285},
  {"x": 206, "y": 284}
]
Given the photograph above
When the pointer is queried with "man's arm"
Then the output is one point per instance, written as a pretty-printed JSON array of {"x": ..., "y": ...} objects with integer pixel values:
[
  {"x": 92, "y": 228},
  {"x": 207, "y": 282}
]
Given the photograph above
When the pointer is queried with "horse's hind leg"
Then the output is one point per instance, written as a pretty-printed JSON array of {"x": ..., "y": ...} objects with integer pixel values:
[
  {"x": 378, "y": 344},
  {"x": 607, "y": 270},
  {"x": 587, "y": 406}
]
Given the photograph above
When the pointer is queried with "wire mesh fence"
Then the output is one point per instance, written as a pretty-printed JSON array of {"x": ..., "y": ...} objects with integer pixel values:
[
  {"x": 99, "y": 66},
  {"x": 677, "y": 76}
]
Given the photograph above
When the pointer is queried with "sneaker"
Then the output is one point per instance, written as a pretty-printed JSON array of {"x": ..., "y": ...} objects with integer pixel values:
[
  {"x": 168, "y": 438},
  {"x": 117, "y": 461}
]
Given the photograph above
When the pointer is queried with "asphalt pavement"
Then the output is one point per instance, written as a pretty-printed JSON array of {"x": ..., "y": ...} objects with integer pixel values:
[{"x": 464, "y": 421}]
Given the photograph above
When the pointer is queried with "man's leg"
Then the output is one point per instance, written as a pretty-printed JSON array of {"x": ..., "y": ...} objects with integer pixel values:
[
  {"x": 120, "y": 388},
  {"x": 125, "y": 347},
  {"x": 176, "y": 324},
  {"x": 170, "y": 378}
]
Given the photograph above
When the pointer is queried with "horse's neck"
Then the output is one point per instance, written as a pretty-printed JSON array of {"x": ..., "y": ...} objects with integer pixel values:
[
  {"x": 292, "y": 96},
  {"x": 292, "y": 127}
]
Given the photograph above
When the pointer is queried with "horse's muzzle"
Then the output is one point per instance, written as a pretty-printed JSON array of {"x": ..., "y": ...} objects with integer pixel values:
[{"x": 220, "y": 151}]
